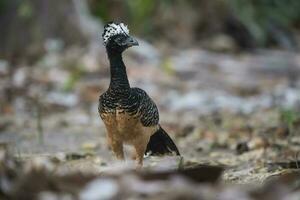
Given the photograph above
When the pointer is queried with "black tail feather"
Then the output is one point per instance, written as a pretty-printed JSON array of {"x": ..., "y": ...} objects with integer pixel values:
[{"x": 161, "y": 143}]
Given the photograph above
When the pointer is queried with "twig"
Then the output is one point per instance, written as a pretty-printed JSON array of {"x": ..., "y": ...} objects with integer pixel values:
[
  {"x": 297, "y": 154},
  {"x": 39, "y": 124}
]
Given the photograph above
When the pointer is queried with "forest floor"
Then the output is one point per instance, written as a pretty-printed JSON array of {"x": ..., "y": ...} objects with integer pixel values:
[{"x": 236, "y": 113}]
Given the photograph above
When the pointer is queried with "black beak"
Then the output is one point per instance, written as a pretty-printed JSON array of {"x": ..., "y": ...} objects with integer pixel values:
[{"x": 130, "y": 41}]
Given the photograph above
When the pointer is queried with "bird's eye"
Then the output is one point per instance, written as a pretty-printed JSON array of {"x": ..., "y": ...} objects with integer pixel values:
[{"x": 119, "y": 40}]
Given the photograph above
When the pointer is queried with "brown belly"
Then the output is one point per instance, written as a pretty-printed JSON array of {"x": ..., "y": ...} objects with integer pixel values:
[{"x": 127, "y": 128}]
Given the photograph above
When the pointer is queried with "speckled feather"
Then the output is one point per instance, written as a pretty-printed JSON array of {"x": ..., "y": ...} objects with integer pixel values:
[
  {"x": 135, "y": 102},
  {"x": 111, "y": 29}
]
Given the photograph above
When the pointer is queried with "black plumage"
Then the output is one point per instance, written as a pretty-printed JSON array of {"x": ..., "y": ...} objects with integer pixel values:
[
  {"x": 133, "y": 101},
  {"x": 160, "y": 143},
  {"x": 122, "y": 106}
]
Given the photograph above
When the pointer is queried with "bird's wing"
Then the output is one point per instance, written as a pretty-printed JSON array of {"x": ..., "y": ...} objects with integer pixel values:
[{"x": 147, "y": 110}]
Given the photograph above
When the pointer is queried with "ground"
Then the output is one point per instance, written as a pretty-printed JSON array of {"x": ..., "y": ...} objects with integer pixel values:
[{"x": 238, "y": 112}]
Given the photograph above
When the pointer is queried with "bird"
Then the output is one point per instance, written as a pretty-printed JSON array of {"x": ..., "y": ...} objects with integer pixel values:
[{"x": 130, "y": 116}]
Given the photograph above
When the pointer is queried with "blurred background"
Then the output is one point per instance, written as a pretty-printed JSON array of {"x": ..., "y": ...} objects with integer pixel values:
[{"x": 222, "y": 73}]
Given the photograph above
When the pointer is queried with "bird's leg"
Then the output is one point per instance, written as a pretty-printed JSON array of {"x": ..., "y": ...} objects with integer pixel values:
[
  {"x": 133, "y": 155},
  {"x": 116, "y": 146},
  {"x": 140, "y": 148}
]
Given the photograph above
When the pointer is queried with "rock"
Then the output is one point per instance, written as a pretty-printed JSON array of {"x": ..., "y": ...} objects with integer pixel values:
[
  {"x": 47, "y": 195},
  {"x": 100, "y": 189},
  {"x": 39, "y": 163},
  {"x": 89, "y": 146},
  {"x": 242, "y": 147},
  {"x": 164, "y": 163},
  {"x": 21, "y": 76},
  {"x": 254, "y": 143},
  {"x": 220, "y": 43}
]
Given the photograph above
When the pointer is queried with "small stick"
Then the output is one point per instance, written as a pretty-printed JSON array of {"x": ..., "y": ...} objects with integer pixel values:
[{"x": 39, "y": 124}]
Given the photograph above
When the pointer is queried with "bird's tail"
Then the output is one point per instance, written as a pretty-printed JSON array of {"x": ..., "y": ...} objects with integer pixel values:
[{"x": 161, "y": 143}]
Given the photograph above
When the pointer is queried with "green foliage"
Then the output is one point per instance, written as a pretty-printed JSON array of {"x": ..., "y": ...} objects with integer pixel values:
[
  {"x": 25, "y": 9},
  {"x": 3, "y": 4},
  {"x": 167, "y": 66},
  {"x": 257, "y": 15},
  {"x": 137, "y": 13},
  {"x": 289, "y": 117},
  {"x": 140, "y": 13},
  {"x": 101, "y": 9}
]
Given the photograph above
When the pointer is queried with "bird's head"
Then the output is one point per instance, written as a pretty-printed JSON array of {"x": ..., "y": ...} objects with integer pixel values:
[{"x": 116, "y": 37}]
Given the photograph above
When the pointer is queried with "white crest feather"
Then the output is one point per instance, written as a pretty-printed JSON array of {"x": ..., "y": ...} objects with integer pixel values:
[{"x": 113, "y": 29}]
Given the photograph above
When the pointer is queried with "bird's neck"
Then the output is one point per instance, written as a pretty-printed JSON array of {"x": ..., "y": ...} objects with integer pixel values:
[{"x": 118, "y": 77}]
